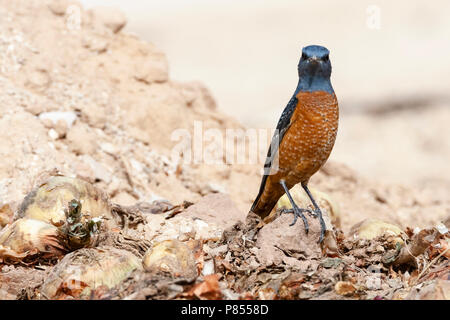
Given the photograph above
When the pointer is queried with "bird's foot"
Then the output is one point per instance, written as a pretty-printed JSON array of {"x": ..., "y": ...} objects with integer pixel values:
[
  {"x": 313, "y": 213},
  {"x": 317, "y": 213},
  {"x": 298, "y": 212}
]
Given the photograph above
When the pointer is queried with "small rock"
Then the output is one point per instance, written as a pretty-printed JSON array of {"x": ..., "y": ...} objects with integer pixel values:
[
  {"x": 54, "y": 117},
  {"x": 35, "y": 108},
  {"x": 93, "y": 114},
  {"x": 152, "y": 69},
  {"x": 197, "y": 95},
  {"x": 95, "y": 44},
  {"x": 217, "y": 208},
  {"x": 158, "y": 228},
  {"x": 58, "y": 7},
  {"x": 100, "y": 172},
  {"x": 111, "y": 17},
  {"x": 373, "y": 282},
  {"x": 441, "y": 228},
  {"x": 53, "y": 134},
  {"x": 208, "y": 267}
]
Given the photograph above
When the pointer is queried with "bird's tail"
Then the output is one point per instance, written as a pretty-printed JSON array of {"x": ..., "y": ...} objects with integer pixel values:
[
  {"x": 266, "y": 200},
  {"x": 262, "y": 209}
]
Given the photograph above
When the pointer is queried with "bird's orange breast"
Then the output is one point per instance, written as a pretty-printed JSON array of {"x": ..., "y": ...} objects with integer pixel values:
[{"x": 309, "y": 139}]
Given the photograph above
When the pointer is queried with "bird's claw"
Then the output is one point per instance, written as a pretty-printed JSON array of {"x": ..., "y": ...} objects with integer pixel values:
[{"x": 298, "y": 212}]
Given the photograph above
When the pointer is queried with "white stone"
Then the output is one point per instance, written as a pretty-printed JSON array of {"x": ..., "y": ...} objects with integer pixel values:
[{"x": 54, "y": 116}]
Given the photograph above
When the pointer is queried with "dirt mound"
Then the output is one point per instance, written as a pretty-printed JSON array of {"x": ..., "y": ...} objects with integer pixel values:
[{"x": 81, "y": 98}]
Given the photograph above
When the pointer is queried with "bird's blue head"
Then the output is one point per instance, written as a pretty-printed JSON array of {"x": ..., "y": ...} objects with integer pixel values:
[{"x": 314, "y": 70}]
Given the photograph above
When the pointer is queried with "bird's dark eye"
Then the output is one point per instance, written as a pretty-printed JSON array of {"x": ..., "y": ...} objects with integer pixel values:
[
  {"x": 326, "y": 58},
  {"x": 304, "y": 57}
]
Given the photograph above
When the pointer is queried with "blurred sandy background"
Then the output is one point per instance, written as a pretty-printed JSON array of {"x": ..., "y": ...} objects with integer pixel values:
[
  {"x": 392, "y": 82},
  {"x": 79, "y": 97}
]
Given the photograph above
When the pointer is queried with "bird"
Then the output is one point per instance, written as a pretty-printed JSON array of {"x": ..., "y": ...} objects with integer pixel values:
[{"x": 303, "y": 140}]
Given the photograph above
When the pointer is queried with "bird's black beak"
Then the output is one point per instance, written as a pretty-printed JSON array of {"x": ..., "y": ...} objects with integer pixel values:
[
  {"x": 314, "y": 60},
  {"x": 313, "y": 63}
]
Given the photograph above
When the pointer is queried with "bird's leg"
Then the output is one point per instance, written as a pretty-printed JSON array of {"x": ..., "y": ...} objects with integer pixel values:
[
  {"x": 317, "y": 211},
  {"x": 295, "y": 209}
]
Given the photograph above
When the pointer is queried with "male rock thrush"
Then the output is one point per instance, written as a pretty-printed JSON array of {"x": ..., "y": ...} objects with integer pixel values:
[{"x": 303, "y": 139}]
